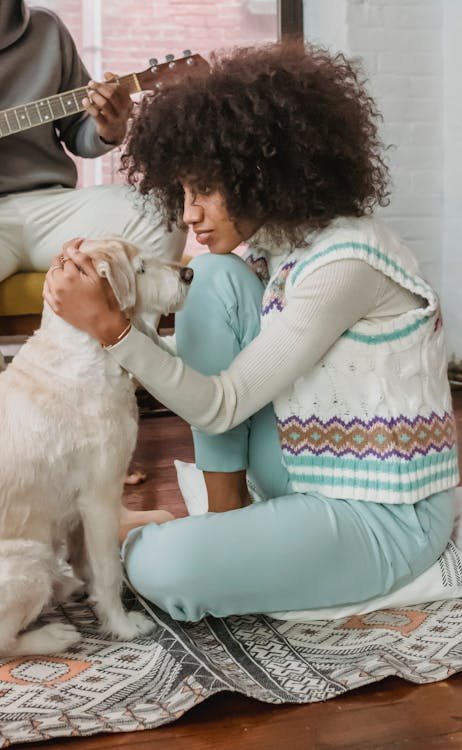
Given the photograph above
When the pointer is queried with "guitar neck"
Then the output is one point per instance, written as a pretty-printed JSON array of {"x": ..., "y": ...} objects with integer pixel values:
[{"x": 42, "y": 111}]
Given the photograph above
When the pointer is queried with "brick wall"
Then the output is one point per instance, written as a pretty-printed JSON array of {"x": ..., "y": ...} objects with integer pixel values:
[
  {"x": 452, "y": 171},
  {"x": 412, "y": 73},
  {"x": 135, "y": 30},
  {"x": 401, "y": 45}
]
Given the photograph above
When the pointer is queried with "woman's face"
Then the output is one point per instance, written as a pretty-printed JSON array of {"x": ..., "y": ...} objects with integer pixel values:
[{"x": 205, "y": 212}]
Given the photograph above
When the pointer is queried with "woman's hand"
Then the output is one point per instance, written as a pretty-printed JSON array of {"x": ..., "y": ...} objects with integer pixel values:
[{"x": 76, "y": 293}]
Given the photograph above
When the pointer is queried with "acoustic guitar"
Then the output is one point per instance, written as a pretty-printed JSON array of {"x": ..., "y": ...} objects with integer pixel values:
[{"x": 42, "y": 111}]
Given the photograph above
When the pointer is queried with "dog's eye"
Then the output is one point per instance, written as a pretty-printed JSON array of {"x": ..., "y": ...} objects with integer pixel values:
[{"x": 141, "y": 267}]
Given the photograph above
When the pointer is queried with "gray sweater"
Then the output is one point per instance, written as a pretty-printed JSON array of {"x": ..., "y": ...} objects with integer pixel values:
[{"x": 38, "y": 58}]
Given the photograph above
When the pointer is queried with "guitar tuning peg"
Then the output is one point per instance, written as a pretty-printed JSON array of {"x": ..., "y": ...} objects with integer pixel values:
[
  {"x": 153, "y": 63},
  {"x": 187, "y": 53},
  {"x": 171, "y": 60}
]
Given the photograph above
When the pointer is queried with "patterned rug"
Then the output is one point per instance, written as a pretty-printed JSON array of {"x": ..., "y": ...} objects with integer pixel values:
[{"x": 107, "y": 686}]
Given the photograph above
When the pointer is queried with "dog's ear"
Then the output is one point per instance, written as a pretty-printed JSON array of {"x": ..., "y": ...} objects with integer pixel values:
[{"x": 113, "y": 263}]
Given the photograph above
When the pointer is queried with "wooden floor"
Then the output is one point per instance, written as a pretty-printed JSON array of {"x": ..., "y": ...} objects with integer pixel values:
[{"x": 389, "y": 715}]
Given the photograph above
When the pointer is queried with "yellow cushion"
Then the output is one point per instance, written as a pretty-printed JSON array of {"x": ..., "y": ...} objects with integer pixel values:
[{"x": 21, "y": 294}]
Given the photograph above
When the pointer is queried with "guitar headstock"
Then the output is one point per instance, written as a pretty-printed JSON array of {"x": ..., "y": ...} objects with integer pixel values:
[{"x": 161, "y": 73}]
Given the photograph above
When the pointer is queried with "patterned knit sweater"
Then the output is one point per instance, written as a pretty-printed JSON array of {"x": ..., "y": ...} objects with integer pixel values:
[
  {"x": 351, "y": 355},
  {"x": 373, "y": 419}
]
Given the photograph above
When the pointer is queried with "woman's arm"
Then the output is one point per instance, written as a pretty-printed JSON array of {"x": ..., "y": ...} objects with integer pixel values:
[{"x": 318, "y": 312}]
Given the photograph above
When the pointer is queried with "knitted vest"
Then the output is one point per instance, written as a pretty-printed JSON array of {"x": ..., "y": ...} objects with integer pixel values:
[{"x": 373, "y": 419}]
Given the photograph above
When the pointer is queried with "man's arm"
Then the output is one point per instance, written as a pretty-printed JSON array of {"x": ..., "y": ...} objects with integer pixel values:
[{"x": 104, "y": 124}]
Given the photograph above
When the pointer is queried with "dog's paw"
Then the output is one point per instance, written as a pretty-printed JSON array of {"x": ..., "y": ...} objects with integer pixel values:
[
  {"x": 49, "y": 639},
  {"x": 131, "y": 625}
]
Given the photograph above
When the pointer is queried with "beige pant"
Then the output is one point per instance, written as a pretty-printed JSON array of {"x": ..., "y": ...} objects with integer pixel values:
[{"x": 35, "y": 224}]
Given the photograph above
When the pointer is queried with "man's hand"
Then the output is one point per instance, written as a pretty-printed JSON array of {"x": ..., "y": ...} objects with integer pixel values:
[{"x": 110, "y": 105}]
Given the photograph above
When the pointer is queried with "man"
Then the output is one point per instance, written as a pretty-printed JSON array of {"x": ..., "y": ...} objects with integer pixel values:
[{"x": 39, "y": 206}]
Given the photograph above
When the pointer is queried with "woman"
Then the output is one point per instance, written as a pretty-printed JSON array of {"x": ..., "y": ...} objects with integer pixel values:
[{"x": 326, "y": 386}]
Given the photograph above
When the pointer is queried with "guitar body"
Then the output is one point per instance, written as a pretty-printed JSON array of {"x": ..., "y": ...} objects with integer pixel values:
[{"x": 46, "y": 110}]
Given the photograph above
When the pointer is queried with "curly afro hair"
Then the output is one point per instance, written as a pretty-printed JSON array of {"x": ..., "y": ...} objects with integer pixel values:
[{"x": 287, "y": 133}]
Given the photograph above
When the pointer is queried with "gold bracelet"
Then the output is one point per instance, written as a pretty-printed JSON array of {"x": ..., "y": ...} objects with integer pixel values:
[
  {"x": 120, "y": 336},
  {"x": 125, "y": 331}
]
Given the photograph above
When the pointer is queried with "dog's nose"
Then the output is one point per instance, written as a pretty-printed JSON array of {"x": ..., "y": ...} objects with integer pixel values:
[{"x": 186, "y": 274}]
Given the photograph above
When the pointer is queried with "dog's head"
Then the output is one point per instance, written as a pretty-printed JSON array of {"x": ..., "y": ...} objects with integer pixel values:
[{"x": 141, "y": 284}]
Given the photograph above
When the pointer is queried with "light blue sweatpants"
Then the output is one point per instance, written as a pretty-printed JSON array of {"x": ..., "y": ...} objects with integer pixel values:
[{"x": 293, "y": 550}]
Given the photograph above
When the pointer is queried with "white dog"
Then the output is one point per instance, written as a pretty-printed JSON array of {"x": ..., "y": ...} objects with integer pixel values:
[{"x": 68, "y": 422}]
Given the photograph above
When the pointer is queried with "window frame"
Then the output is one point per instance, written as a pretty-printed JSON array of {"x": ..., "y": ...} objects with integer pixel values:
[{"x": 290, "y": 19}]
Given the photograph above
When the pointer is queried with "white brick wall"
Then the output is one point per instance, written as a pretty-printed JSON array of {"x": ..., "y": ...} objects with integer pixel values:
[
  {"x": 452, "y": 209},
  {"x": 412, "y": 55}
]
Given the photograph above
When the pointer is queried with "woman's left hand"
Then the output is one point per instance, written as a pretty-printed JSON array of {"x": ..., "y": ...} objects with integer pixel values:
[{"x": 76, "y": 293}]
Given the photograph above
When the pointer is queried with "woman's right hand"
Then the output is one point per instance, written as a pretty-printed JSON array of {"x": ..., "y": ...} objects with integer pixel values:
[{"x": 76, "y": 293}]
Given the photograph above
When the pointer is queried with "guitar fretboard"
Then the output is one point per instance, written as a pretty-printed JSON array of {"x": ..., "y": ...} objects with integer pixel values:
[{"x": 42, "y": 111}]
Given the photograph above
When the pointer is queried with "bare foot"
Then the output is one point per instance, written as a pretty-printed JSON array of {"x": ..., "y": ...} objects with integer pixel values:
[
  {"x": 135, "y": 475},
  {"x": 131, "y": 519}
]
